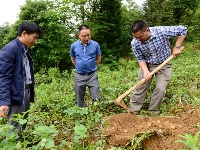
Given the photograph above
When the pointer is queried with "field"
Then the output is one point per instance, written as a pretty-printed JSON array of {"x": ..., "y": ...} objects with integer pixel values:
[{"x": 55, "y": 122}]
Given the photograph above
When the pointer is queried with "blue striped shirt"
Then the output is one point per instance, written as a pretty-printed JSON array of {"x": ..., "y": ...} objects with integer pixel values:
[{"x": 157, "y": 48}]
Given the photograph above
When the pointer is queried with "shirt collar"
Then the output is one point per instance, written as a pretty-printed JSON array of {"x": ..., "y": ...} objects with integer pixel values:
[
  {"x": 152, "y": 36},
  {"x": 22, "y": 46},
  {"x": 87, "y": 43}
]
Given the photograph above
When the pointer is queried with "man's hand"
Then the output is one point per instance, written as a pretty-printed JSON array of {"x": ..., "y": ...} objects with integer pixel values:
[
  {"x": 147, "y": 75},
  {"x": 176, "y": 52},
  {"x": 3, "y": 111},
  {"x": 143, "y": 66}
]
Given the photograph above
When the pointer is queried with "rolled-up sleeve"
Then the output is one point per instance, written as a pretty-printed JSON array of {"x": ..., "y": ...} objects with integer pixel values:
[{"x": 173, "y": 31}]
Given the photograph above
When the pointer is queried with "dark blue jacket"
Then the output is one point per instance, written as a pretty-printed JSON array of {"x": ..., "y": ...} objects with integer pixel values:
[{"x": 12, "y": 74}]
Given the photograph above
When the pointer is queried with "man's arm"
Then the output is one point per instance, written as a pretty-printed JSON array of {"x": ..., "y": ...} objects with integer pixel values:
[
  {"x": 143, "y": 66},
  {"x": 179, "y": 41},
  {"x": 98, "y": 59},
  {"x": 73, "y": 60},
  {"x": 6, "y": 63}
]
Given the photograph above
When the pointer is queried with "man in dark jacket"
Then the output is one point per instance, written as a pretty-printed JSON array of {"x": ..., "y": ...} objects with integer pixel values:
[{"x": 16, "y": 73}]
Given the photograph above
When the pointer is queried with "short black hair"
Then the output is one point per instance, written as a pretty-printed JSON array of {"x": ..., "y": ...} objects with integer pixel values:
[
  {"x": 29, "y": 28},
  {"x": 82, "y": 27},
  {"x": 138, "y": 25}
]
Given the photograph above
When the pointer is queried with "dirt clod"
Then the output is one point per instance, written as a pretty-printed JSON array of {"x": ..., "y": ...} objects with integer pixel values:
[{"x": 121, "y": 128}]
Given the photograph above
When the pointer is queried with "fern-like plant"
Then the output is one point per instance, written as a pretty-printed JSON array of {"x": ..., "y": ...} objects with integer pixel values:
[{"x": 190, "y": 141}]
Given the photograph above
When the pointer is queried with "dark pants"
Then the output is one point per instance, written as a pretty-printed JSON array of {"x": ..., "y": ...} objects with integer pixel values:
[
  {"x": 19, "y": 109},
  {"x": 80, "y": 83}
]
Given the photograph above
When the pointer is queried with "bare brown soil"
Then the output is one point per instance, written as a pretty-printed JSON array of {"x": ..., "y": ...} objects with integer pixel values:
[{"x": 165, "y": 130}]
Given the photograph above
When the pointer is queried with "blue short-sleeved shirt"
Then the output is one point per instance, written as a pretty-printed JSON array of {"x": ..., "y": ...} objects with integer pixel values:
[
  {"x": 157, "y": 48},
  {"x": 85, "y": 56}
]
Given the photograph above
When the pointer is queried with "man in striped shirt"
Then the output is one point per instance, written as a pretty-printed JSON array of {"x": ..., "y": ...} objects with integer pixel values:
[{"x": 151, "y": 47}]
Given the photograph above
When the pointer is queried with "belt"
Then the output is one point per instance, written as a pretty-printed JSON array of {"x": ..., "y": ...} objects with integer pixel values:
[
  {"x": 158, "y": 64},
  {"x": 88, "y": 73},
  {"x": 27, "y": 86}
]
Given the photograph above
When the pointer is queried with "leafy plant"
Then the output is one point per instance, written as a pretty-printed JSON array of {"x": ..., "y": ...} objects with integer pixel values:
[
  {"x": 8, "y": 140},
  {"x": 190, "y": 141},
  {"x": 46, "y": 135},
  {"x": 80, "y": 132}
]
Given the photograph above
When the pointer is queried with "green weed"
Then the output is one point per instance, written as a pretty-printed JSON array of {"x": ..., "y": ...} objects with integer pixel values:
[{"x": 190, "y": 141}]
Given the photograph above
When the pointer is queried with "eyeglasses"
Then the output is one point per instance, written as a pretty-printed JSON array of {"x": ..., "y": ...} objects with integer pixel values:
[{"x": 139, "y": 37}]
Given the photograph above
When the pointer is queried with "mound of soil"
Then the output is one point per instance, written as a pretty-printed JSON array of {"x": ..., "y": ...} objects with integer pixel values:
[{"x": 159, "y": 132}]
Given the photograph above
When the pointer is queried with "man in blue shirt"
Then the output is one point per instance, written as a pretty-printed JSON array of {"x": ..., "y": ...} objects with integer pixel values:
[
  {"x": 151, "y": 47},
  {"x": 86, "y": 56},
  {"x": 16, "y": 74}
]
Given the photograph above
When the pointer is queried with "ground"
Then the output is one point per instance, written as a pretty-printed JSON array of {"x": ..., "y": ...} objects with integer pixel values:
[{"x": 157, "y": 132}]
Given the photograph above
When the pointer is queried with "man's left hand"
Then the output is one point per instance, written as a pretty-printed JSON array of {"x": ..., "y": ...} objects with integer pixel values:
[
  {"x": 3, "y": 111},
  {"x": 176, "y": 52}
]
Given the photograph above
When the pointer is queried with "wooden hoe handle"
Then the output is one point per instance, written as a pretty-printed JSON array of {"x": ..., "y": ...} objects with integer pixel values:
[{"x": 118, "y": 100}]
